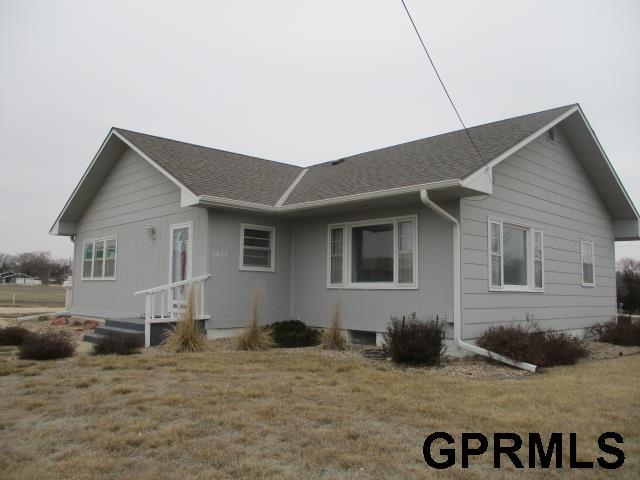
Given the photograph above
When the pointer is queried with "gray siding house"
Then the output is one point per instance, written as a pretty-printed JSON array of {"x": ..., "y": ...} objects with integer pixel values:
[{"x": 506, "y": 220}]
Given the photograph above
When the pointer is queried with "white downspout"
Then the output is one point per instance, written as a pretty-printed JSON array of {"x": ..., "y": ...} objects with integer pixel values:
[{"x": 457, "y": 292}]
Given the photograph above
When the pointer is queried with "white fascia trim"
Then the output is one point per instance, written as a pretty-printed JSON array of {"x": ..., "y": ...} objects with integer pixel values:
[
  {"x": 286, "y": 194},
  {"x": 226, "y": 202},
  {"x": 55, "y": 227},
  {"x": 606, "y": 159},
  {"x": 372, "y": 195},
  {"x": 489, "y": 165},
  {"x": 153, "y": 163}
]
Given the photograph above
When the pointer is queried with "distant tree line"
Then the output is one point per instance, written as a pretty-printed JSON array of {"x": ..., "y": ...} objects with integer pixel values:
[
  {"x": 36, "y": 264},
  {"x": 628, "y": 284}
]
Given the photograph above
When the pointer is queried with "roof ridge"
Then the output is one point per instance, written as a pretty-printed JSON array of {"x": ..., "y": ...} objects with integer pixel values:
[{"x": 121, "y": 130}]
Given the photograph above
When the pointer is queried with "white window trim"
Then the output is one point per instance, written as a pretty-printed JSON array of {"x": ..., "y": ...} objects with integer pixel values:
[
  {"x": 347, "y": 284},
  {"x": 530, "y": 287},
  {"x": 272, "y": 245},
  {"x": 104, "y": 257},
  {"x": 173, "y": 227},
  {"x": 331, "y": 227},
  {"x": 584, "y": 241}
]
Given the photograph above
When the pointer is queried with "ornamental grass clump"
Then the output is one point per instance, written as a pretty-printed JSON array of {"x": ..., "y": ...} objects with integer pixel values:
[
  {"x": 187, "y": 336},
  {"x": 332, "y": 338},
  {"x": 254, "y": 336}
]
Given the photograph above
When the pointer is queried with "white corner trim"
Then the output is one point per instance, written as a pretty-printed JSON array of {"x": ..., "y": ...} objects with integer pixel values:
[
  {"x": 188, "y": 198},
  {"x": 286, "y": 194}
]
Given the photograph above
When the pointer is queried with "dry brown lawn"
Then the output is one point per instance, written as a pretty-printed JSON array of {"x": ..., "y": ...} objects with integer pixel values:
[
  {"x": 32, "y": 295},
  {"x": 291, "y": 414}
]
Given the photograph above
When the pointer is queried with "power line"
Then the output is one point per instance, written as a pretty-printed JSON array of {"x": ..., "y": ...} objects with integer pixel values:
[{"x": 441, "y": 81}]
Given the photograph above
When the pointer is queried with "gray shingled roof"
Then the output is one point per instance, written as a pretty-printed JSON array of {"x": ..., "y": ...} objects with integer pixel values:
[
  {"x": 207, "y": 171},
  {"x": 443, "y": 157}
]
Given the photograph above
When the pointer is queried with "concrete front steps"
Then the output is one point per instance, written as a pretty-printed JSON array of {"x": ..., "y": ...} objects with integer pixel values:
[{"x": 124, "y": 326}]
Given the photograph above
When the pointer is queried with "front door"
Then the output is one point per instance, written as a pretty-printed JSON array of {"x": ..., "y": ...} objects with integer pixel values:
[{"x": 180, "y": 260}]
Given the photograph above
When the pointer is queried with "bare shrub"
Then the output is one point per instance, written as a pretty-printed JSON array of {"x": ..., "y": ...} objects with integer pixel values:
[
  {"x": 529, "y": 343},
  {"x": 621, "y": 331},
  {"x": 255, "y": 337},
  {"x": 413, "y": 341},
  {"x": 332, "y": 338},
  {"x": 187, "y": 336},
  {"x": 13, "y": 335},
  {"x": 46, "y": 346},
  {"x": 117, "y": 344}
]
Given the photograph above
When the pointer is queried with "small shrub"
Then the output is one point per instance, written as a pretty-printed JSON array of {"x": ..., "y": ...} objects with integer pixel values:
[
  {"x": 412, "y": 341},
  {"x": 528, "y": 343},
  {"x": 294, "y": 333},
  {"x": 116, "y": 344},
  {"x": 46, "y": 346},
  {"x": 255, "y": 337},
  {"x": 13, "y": 335},
  {"x": 621, "y": 331},
  {"x": 332, "y": 338},
  {"x": 187, "y": 336}
]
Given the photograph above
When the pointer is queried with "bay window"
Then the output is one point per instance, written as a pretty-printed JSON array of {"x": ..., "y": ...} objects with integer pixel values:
[
  {"x": 99, "y": 259},
  {"x": 373, "y": 254},
  {"x": 516, "y": 257}
]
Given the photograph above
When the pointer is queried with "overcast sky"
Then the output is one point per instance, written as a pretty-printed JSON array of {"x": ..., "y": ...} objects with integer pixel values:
[{"x": 297, "y": 81}]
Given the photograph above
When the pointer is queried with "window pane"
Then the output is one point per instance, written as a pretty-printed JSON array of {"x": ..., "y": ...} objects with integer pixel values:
[
  {"x": 110, "y": 268},
  {"x": 405, "y": 236},
  {"x": 496, "y": 271},
  {"x": 111, "y": 248},
  {"x": 587, "y": 275},
  {"x": 335, "y": 275},
  {"x": 405, "y": 268},
  {"x": 88, "y": 251},
  {"x": 257, "y": 238},
  {"x": 86, "y": 268},
  {"x": 495, "y": 238},
  {"x": 372, "y": 253},
  {"x": 97, "y": 268},
  {"x": 336, "y": 241},
  {"x": 336, "y": 270},
  {"x": 515, "y": 255},
  {"x": 255, "y": 257},
  {"x": 537, "y": 245},
  {"x": 538, "y": 274},
  {"x": 587, "y": 262}
]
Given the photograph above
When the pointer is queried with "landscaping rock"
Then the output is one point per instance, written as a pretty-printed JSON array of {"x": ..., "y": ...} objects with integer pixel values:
[
  {"x": 60, "y": 321},
  {"x": 90, "y": 324}
]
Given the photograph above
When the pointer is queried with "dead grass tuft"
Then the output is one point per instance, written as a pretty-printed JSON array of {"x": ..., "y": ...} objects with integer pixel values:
[
  {"x": 255, "y": 337},
  {"x": 187, "y": 336},
  {"x": 332, "y": 338}
]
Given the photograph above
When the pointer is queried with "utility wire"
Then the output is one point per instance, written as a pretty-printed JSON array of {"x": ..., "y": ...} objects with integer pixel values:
[{"x": 441, "y": 81}]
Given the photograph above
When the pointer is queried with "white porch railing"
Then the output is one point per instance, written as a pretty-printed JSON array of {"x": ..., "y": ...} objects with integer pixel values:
[{"x": 163, "y": 304}]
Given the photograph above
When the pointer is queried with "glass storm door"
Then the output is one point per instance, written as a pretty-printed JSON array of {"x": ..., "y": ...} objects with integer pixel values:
[{"x": 180, "y": 266}]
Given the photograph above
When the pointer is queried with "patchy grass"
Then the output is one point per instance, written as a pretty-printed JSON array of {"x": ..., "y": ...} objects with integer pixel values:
[
  {"x": 290, "y": 414},
  {"x": 32, "y": 296}
]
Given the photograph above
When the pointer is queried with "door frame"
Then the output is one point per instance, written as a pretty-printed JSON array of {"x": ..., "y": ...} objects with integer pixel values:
[{"x": 176, "y": 226}]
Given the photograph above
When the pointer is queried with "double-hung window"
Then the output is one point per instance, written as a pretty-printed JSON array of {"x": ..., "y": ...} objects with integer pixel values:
[
  {"x": 516, "y": 257},
  {"x": 257, "y": 248},
  {"x": 586, "y": 256},
  {"x": 373, "y": 254},
  {"x": 99, "y": 259}
]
